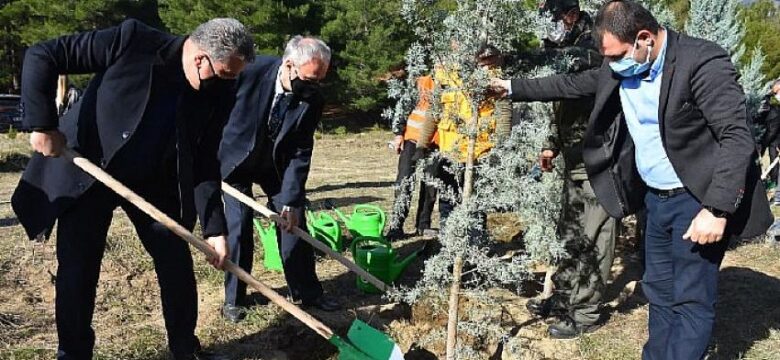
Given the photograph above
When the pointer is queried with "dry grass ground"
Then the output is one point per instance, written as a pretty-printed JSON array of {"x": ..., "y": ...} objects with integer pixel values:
[{"x": 348, "y": 169}]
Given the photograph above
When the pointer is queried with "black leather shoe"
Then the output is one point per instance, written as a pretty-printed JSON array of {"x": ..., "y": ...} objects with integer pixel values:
[
  {"x": 254, "y": 299},
  {"x": 543, "y": 308},
  {"x": 233, "y": 313},
  {"x": 324, "y": 303},
  {"x": 395, "y": 234},
  {"x": 567, "y": 328}
]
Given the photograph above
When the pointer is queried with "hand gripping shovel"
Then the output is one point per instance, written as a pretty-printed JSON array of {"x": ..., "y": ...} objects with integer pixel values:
[
  {"x": 364, "y": 342},
  {"x": 305, "y": 236}
]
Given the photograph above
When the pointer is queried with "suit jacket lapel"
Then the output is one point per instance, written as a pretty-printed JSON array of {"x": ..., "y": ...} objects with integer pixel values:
[
  {"x": 266, "y": 96},
  {"x": 291, "y": 119},
  {"x": 668, "y": 73}
]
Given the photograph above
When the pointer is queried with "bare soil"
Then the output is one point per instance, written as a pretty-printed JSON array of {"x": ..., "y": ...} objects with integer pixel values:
[{"x": 348, "y": 169}]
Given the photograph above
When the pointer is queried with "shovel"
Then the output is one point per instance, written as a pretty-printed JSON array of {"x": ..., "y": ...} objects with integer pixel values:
[
  {"x": 305, "y": 236},
  {"x": 363, "y": 342}
]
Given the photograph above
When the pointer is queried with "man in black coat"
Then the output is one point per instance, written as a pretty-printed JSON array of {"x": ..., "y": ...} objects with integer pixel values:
[
  {"x": 269, "y": 141},
  {"x": 151, "y": 117},
  {"x": 668, "y": 133}
]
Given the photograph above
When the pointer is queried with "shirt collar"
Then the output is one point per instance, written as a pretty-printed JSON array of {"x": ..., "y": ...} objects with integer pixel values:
[
  {"x": 658, "y": 65},
  {"x": 278, "y": 88}
]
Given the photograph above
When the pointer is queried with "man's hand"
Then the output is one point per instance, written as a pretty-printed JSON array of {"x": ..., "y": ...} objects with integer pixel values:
[
  {"x": 706, "y": 228},
  {"x": 498, "y": 88},
  {"x": 398, "y": 142},
  {"x": 546, "y": 159},
  {"x": 219, "y": 244},
  {"x": 48, "y": 143},
  {"x": 290, "y": 217}
]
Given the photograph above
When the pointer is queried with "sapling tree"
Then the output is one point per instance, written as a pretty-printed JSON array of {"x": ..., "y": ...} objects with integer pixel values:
[{"x": 448, "y": 34}]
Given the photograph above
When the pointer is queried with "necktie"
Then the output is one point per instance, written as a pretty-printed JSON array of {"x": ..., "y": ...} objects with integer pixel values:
[{"x": 278, "y": 111}]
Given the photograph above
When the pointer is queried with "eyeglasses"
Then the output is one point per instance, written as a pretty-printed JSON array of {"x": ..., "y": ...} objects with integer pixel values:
[{"x": 214, "y": 71}]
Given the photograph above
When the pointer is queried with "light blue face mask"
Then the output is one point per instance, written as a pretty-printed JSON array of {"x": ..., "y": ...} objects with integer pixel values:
[{"x": 628, "y": 67}]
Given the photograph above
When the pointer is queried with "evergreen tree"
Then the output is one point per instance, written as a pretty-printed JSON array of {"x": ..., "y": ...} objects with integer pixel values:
[
  {"x": 368, "y": 43},
  {"x": 26, "y": 22},
  {"x": 272, "y": 22},
  {"x": 660, "y": 9},
  {"x": 448, "y": 35},
  {"x": 762, "y": 25},
  {"x": 718, "y": 21}
]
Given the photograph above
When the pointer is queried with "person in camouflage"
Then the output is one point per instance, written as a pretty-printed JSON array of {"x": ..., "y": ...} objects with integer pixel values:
[{"x": 586, "y": 229}]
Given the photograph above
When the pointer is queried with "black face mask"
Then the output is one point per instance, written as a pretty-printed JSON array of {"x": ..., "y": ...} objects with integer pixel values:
[
  {"x": 304, "y": 89},
  {"x": 210, "y": 84}
]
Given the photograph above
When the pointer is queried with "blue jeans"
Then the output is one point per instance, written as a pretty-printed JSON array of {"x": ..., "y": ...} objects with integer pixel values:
[{"x": 680, "y": 281}]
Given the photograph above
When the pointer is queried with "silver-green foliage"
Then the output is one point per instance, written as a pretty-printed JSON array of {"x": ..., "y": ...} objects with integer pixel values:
[
  {"x": 718, "y": 21},
  {"x": 662, "y": 13},
  {"x": 450, "y": 39}
]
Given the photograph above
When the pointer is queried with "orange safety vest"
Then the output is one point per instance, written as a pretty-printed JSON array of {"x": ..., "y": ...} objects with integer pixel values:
[{"x": 416, "y": 120}]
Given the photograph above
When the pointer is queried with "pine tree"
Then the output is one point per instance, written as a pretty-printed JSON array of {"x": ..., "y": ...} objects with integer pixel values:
[
  {"x": 26, "y": 22},
  {"x": 718, "y": 21},
  {"x": 272, "y": 22},
  {"x": 367, "y": 44}
]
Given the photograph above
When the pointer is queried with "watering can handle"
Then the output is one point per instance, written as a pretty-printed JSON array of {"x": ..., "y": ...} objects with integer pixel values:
[
  {"x": 341, "y": 215},
  {"x": 382, "y": 216},
  {"x": 309, "y": 216},
  {"x": 353, "y": 246},
  {"x": 195, "y": 241}
]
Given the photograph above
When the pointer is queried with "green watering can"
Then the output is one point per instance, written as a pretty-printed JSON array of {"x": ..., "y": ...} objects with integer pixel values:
[
  {"x": 365, "y": 221},
  {"x": 326, "y": 229},
  {"x": 272, "y": 260},
  {"x": 376, "y": 256}
]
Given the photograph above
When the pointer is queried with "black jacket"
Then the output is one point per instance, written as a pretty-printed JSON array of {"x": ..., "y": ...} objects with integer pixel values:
[
  {"x": 103, "y": 121},
  {"x": 704, "y": 130},
  {"x": 293, "y": 147}
]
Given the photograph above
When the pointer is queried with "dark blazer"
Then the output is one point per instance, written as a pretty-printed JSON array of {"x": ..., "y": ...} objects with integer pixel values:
[
  {"x": 292, "y": 148},
  {"x": 104, "y": 120},
  {"x": 704, "y": 129}
]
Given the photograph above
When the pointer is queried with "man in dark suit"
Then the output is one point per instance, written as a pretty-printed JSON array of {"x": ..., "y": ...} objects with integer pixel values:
[
  {"x": 668, "y": 133},
  {"x": 151, "y": 117},
  {"x": 269, "y": 141}
]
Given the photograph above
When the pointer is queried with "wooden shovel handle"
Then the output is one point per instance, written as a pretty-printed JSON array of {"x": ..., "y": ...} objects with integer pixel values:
[
  {"x": 198, "y": 243},
  {"x": 770, "y": 167},
  {"x": 305, "y": 236}
]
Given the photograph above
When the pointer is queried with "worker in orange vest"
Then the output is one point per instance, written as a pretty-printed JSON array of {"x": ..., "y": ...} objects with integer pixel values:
[{"x": 407, "y": 136}]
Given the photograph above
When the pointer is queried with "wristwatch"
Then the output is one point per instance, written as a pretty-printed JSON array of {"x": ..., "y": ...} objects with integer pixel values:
[{"x": 716, "y": 212}]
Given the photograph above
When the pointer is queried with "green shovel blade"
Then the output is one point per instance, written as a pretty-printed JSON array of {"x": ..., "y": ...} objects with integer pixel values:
[{"x": 366, "y": 343}]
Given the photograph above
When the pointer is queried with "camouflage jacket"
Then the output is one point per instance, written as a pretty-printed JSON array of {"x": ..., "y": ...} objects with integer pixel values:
[{"x": 571, "y": 117}]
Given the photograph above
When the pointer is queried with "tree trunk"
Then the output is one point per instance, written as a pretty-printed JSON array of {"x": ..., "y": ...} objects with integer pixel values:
[{"x": 457, "y": 267}]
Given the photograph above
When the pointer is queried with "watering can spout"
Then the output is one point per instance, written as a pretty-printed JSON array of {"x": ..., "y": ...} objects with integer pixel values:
[{"x": 398, "y": 267}]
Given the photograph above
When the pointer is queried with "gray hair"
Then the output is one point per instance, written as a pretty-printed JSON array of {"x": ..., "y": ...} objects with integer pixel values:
[
  {"x": 222, "y": 38},
  {"x": 304, "y": 49}
]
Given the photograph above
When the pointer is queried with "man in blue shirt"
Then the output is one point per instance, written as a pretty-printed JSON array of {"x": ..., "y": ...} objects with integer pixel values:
[{"x": 668, "y": 133}]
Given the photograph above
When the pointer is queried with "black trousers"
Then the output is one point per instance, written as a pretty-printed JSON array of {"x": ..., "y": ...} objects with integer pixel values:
[
  {"x": 404, "y": 186},
  {"x": 297, "y": 254},
  {"x": 81, "y": 241}
]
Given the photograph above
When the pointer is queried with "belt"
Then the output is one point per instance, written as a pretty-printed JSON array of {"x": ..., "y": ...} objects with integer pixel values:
[{"x": 668, "y": 193}]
